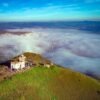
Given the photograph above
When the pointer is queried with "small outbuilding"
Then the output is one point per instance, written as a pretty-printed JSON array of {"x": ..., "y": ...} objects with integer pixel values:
[{"x": 18, "y": 63}]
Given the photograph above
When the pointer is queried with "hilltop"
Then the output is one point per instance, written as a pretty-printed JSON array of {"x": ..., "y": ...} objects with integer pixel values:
[
  {"x": 32, "y": 60},
  {"x": 54, "y": 83}
]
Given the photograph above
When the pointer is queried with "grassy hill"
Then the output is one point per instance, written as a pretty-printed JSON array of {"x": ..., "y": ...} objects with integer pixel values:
[{"x": 55, "y": 83}]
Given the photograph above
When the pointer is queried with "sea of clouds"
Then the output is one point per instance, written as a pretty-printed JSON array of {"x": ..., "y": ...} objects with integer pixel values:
[{"x": 75, "y": 49}]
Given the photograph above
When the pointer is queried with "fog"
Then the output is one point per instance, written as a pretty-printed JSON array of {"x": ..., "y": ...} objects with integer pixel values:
[{"x": 75, "y": 49}]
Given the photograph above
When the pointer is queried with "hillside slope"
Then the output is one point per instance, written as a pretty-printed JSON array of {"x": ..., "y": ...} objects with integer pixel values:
[
  {"x": 56, "y": 83},
  {"x": 41, "y": 83}
]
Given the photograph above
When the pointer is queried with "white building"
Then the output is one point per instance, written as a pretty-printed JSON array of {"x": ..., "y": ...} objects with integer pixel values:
[{"x": 18, "y": 63}]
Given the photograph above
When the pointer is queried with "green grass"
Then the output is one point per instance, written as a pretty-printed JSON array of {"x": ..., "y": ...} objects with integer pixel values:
[{"x": 56, "y": 83}]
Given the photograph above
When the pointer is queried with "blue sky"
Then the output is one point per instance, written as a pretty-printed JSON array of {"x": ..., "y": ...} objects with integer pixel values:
[{"x": 49, "y": 10}]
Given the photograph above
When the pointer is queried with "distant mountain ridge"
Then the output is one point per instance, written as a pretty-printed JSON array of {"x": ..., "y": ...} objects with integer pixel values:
[{"x": 92, "y": 26}]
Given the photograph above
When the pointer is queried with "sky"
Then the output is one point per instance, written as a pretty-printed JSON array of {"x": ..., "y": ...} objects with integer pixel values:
[{"x": 49, "y": 10}]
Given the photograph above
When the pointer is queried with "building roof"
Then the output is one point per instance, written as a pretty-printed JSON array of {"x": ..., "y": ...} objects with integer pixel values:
[{"x": 16, "y": 59}]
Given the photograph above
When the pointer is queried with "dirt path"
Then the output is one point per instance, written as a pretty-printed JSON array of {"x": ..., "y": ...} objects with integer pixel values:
[{"x": 6, "y": 73}]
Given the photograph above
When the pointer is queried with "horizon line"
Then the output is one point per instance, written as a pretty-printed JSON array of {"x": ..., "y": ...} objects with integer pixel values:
[{"x": 53, "y": 21}]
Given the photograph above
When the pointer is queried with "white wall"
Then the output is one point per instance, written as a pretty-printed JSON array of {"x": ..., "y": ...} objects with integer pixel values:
[
  {"x": 22, "y": 64},
  {"x": 18, "y": 65}
]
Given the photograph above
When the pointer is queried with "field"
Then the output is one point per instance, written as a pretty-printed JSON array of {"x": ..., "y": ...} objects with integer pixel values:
[{"x": 54, "y": 83}]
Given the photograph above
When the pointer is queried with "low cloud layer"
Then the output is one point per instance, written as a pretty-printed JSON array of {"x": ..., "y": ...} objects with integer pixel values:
[{"x": 75, "y": 49}]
